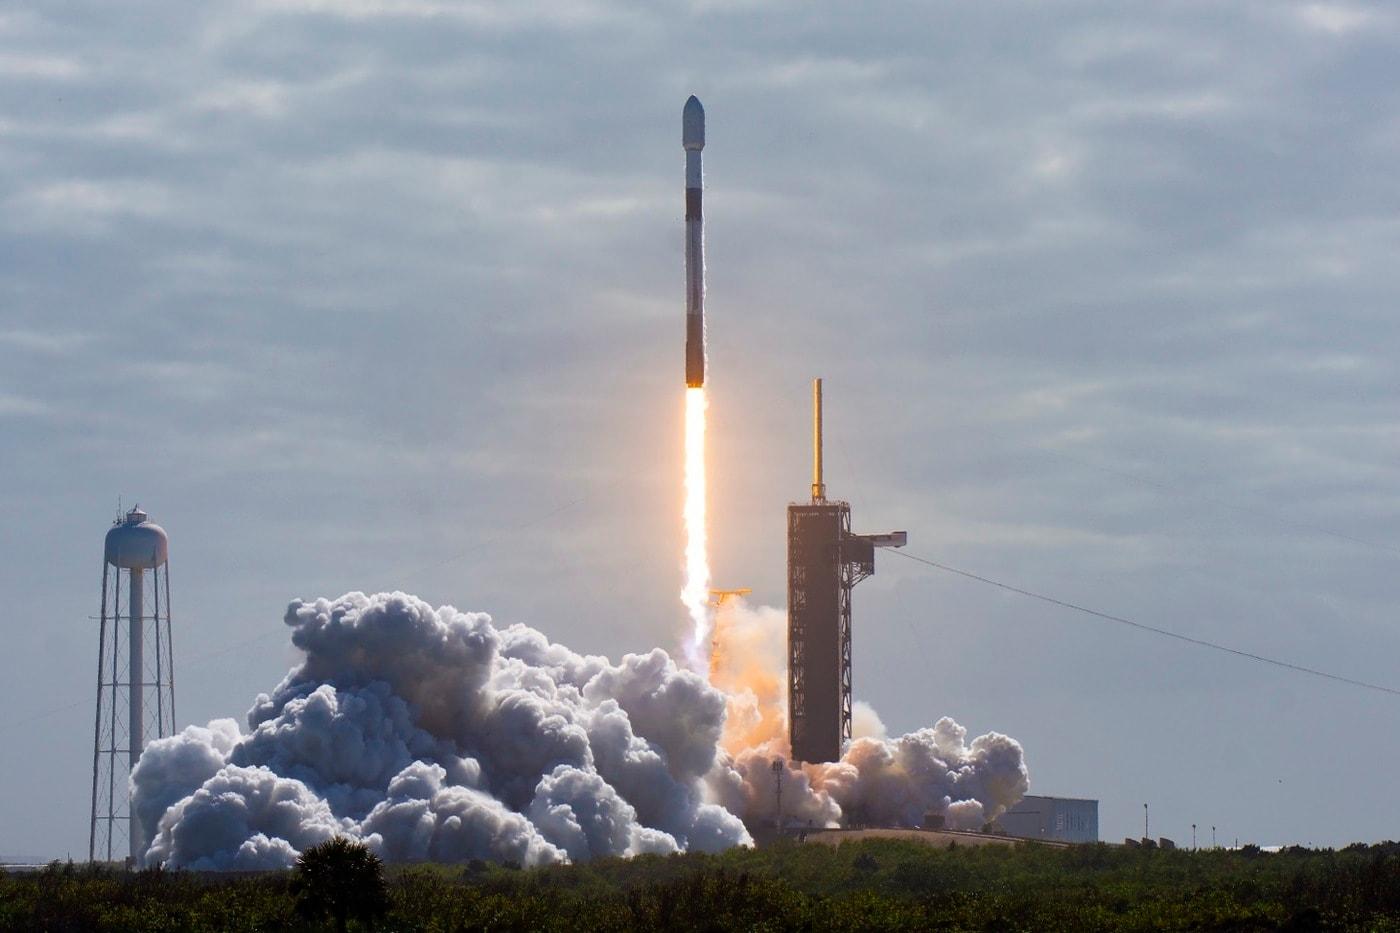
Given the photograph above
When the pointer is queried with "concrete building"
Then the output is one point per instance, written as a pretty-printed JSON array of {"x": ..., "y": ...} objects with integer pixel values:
[{"x": 1063, "y": 819}]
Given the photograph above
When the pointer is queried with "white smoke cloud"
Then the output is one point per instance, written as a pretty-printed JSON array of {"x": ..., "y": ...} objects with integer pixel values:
[
  {"x": 432, "y": 734},
  {"x": 243, "y": 818},
  {"x": 879, "y": 781}
]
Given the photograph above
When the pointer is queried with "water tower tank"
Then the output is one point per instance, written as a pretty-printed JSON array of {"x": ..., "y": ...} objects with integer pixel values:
[{"x": 136, "y": 544}]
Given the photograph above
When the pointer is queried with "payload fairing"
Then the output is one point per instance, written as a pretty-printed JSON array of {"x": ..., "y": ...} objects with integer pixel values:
[{"x": 693, "y": 140}]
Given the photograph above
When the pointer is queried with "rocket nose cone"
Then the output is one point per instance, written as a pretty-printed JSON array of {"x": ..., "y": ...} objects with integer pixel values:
[{"x": 693, "y": 124}]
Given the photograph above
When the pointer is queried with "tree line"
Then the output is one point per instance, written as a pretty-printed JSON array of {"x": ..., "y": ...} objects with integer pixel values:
[{"x": 869, "y": 885}]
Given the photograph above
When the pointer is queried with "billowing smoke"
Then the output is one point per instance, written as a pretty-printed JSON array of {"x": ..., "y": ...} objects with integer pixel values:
[
  {"x": 879, "y": 781},
  {"x": 432, "y": 734}
]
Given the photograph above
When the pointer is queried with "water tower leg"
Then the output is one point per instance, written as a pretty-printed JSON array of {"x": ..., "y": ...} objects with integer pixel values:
[{"x": 136, "y": 674}]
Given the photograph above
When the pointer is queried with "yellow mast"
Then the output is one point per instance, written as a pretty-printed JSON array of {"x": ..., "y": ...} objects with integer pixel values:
[{"x": 818, "y": 487}]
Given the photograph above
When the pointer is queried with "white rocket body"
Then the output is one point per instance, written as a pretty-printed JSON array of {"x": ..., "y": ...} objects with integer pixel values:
[{"x": 693, "y": 139}]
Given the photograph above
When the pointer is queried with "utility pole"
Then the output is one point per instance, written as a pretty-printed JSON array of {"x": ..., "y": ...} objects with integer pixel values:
[
  {"x": 1193, "y": 837},
  {"x": 1145, "y": 834},
  {"x": 1212, "y": 837}
]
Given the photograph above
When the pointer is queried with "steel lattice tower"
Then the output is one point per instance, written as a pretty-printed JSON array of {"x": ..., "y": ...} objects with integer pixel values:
[
  {"x": 135, "y": 678},
  {"x": 825, "y": 562}
]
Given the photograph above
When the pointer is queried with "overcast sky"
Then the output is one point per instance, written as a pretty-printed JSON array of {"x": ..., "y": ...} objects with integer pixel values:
[{"x": 367, "y": 294}]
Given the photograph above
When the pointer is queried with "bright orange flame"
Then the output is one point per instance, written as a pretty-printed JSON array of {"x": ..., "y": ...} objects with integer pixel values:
[
  {"x": 696, "y": 593},
  {"x": 747, "y": 664}
]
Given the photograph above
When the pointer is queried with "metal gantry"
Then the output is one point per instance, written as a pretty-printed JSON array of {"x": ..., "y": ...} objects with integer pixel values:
[{"x": 825, "y": 562}]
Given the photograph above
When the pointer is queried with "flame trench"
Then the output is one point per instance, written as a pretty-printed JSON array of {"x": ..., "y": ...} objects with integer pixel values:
[{"x": 696, "y": 592}]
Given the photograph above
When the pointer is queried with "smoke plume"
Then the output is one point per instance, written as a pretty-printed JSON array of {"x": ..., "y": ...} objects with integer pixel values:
[
  {"x": 879, "y": 781},
  {"x": 433, "y": 734}
]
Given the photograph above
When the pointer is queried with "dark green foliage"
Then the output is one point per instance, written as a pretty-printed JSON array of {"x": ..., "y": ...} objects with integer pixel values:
[
  {"x": 873, "y": 885},
  {"x": 340, "y": 880}
]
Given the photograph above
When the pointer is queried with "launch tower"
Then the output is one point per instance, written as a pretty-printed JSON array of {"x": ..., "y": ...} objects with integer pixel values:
[
  {"x": 825, "y": 562},
  {"x": 135, "y": 678}
]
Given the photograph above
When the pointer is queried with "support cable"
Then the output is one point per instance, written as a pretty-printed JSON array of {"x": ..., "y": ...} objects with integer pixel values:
[{"x": 1199, "y": 642}]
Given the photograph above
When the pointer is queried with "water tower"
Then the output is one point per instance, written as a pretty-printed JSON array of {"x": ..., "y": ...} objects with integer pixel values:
[{"x": 135, "y": 678}]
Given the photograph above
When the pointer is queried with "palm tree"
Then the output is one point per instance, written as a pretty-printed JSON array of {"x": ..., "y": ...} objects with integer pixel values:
[{"x": 341, "y": 879}]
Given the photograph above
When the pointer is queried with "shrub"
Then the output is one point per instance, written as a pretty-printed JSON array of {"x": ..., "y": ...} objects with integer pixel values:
[{"x": 342, "y": 880}]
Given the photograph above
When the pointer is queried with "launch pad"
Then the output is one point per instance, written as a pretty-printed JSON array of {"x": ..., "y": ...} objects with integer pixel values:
[{"x": 825, "y": 562}]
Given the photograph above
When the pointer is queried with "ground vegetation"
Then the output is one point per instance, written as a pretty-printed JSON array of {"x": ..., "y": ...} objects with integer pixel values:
[{"x": 869, "y": 885}]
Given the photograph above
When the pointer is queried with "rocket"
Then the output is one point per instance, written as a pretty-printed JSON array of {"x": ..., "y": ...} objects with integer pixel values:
[{"x": 693, "y": 140}]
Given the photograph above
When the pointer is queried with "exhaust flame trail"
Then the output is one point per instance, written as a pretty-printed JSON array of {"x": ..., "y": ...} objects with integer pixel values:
[{"x": 696, "y": 592}]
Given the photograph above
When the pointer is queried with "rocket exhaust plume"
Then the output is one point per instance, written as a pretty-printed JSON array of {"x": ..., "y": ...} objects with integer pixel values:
[
  {"x": 696, "y": 592},
  {"x": 436, "y": 734}
]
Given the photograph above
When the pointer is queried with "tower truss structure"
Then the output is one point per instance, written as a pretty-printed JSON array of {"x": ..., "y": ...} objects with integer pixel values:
[{"x": 135, "y": 679}]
